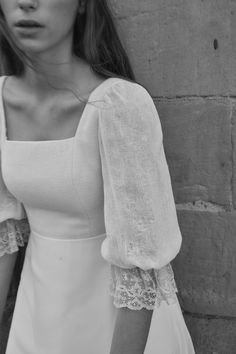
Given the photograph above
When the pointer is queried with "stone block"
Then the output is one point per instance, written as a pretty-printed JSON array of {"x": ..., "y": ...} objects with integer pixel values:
[
  {"x": 212, "y": 335},
  {"x": 182, "y": 47},
  {"x": 205, "y": 268},
  {"x": 197, "y": 141}
]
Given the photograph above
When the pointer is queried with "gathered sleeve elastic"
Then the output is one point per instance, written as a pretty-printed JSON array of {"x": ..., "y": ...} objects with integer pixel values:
[
  {"x": 14, "y": 226},
  {"x": 142, "y": 231}
]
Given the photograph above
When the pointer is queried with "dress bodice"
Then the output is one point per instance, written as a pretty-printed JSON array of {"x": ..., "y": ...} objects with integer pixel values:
[
  {"x": 111, "y": 177},
  {"x": 59, "y": 182}
]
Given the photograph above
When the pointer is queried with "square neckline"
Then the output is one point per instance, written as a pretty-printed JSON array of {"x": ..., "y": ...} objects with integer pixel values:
[{"x": 72, "y": 138}]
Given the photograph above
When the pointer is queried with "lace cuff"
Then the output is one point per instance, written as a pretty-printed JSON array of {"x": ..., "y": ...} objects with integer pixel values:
[
  {"x": 13, "y": 234},
  {"x": 136, "y": 288}
]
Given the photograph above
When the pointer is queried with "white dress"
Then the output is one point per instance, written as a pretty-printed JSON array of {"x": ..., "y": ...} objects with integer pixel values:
[{"x": 102, "y": 229}]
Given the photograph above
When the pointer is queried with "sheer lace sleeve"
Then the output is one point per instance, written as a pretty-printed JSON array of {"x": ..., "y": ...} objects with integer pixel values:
[
  {"x": 139, "y": 209},
  {"x": 142, "y": 229},
  {"x": 14, "y": 226}
]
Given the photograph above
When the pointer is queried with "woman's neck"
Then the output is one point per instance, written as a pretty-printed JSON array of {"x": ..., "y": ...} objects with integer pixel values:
[{"x": 47, "y": 76}]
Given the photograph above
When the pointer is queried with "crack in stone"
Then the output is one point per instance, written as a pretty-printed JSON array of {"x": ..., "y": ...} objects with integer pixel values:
[
  {"x": 208, "y": 316},
  {"x": 232, "y": 152}
]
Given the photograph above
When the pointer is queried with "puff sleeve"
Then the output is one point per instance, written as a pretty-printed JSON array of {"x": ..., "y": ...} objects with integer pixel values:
[
  {"x": 142, "y": 231},
  {"x": 14, "y": 226}
]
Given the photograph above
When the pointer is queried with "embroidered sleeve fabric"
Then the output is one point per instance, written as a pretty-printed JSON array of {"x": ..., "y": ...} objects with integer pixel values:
[
  {"x": 13, "y": 234},
  {"x": 10, "y": 207},
  {"x": 139, "y": 209},
  {"x": 14, "y": 226},
  {"x": 136, "y": 289},
  {"x": 142, "y": 229}
]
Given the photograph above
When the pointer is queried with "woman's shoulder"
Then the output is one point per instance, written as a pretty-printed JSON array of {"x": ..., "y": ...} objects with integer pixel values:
[
  {"x": 128, "y": 105},
  {"x": 123, "y": 92}
]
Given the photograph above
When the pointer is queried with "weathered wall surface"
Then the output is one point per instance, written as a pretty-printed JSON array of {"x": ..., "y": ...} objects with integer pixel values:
[{"x": 184, "y": 52}]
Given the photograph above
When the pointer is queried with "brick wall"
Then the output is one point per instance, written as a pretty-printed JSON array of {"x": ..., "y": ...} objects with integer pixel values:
[{"x": 184, "y": 52}]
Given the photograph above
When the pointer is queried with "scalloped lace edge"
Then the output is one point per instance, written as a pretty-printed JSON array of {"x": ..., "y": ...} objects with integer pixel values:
[
  {"x": 13, "y": 234},
  {"x": 137, "y": 289}
]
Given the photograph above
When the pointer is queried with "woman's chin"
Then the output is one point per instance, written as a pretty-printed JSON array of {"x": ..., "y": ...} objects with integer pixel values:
[
  {"x": 31, "y": 48},
  {"x": 30, "y": 39}
]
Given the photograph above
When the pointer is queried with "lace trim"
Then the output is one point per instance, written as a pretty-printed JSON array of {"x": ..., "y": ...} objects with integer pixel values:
[
  {"x": 13, "y": 234},
  {"x": 136, "y": 289}
]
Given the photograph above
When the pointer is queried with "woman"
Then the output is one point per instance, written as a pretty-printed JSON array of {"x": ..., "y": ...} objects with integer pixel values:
[{"x": 83, "y": 165}]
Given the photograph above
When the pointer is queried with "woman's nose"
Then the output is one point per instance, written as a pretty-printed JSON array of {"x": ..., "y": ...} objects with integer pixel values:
[{"x": 28, "y": 5}]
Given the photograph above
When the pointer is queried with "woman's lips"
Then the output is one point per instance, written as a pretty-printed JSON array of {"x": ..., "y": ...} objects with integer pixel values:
[
  {"x": 28, "y": 24},
  {"x": 28, "y": 28}
]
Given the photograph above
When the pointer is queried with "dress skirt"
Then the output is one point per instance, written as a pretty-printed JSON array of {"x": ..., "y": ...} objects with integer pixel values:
[{"x": 63, "y": 304}]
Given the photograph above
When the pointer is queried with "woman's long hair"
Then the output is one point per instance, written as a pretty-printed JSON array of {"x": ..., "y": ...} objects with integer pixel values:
[{"x": 95, "y": 39}]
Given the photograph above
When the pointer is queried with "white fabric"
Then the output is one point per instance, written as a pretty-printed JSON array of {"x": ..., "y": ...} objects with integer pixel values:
[
  {"x": 140, "y": 215},
  {"x": 63, "y": 293},
  {"x": 63, "y": 307},
  {"x": 10, "y": 207},
  {"x": 62, "y": 304}
]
